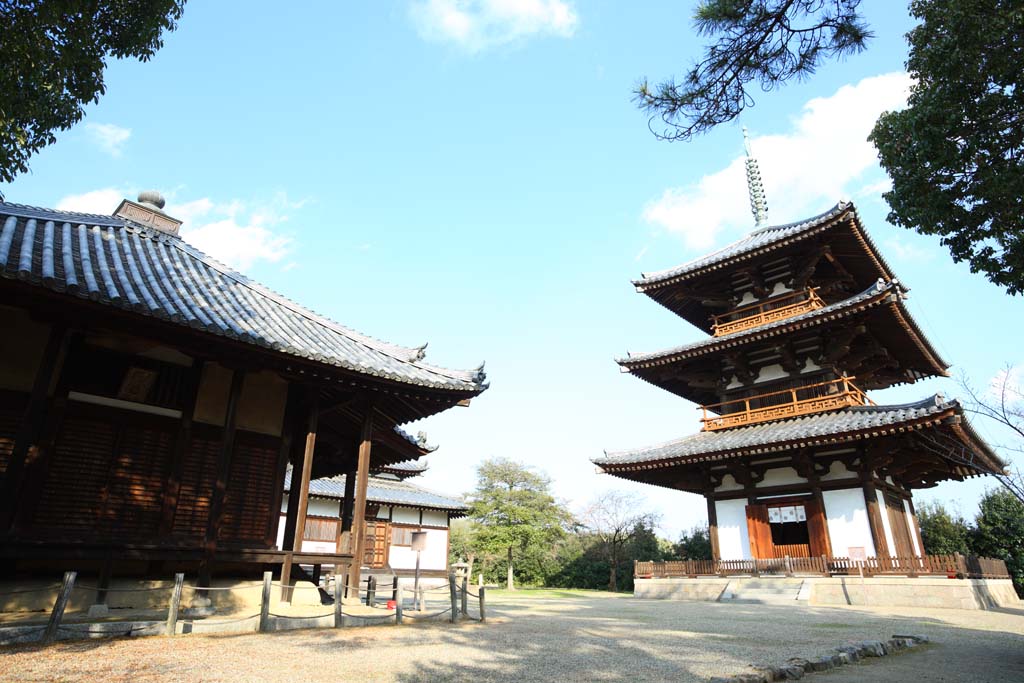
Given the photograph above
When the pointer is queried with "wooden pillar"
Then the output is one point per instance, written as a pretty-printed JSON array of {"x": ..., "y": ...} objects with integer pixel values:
[
  {"x": 713, "y": 527},
  {"x": 29, "y": 433},
  {"x": 298, "y": 493},
  {"x": 172, "y": 485},
  {"x": 824, "y": 537},
  {"x": 344, "y": 544},
  {"x": 875, "y": 520},
  {"x": 359, "y": 510},
  {"x": 227, "y": 447},
  {"x": 283, "y": 455}
]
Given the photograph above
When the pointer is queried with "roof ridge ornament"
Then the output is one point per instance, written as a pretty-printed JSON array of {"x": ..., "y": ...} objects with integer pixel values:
[{"x": 758, "y": 200}]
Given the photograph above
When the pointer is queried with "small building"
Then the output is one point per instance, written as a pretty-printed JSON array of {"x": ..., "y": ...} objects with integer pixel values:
[
  {"x": 395, "y": 507},
  {"x": 151, "y": 400},
  {"x": 793, "y": 457}
]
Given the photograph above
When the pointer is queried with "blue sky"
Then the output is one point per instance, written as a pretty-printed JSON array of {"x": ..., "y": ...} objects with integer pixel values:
[{"x": 474, "y": 174}]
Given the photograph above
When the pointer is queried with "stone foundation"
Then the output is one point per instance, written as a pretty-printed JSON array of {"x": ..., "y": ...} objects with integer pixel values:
[{"x": 876, "y": 591}]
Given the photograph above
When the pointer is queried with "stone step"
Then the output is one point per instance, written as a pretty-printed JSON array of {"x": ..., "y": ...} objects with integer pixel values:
[{"x": 761, "y": 601}]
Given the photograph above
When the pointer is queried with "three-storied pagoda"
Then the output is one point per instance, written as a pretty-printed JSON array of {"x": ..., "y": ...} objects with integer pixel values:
[{"x": 793, "y": 457}]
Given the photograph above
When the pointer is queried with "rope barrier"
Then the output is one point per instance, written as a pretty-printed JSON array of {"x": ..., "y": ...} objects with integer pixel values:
[
  {"x": 227, "y": 621},
  {"x": 71, "y": 629},
  {"x": 291, "y": 616},
  {"x": 86, "y": 587},
  {"x": 407, "y": 615},
  {"x": 220, "y": 588},
  {"x": 369, "y": 616},
  {"x": 31, "y": 590}
]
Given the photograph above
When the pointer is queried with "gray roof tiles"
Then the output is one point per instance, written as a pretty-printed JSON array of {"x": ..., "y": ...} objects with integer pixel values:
[
  {"x": 384, "y": 491},
  {"x": 807, "y": 428},
  {"x": 117, "y": 263}
]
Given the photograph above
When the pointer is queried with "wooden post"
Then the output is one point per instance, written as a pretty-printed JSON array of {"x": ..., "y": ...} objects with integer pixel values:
[
  {"x": 394, "y": 589},
  {"x": 398, "y": 603},
  {"x": 483, "y": 614},
  {"x": 359, "y": 509},
  {"x": 66, "y": 586},
  {"x": 284, "y": 452},
  {"x": 875, "y": 519},
  {"x": 371, "y": 591},
  {"x": 227, "y": 447},
  {"x": 268, "y": 578},
  {"x": 420, "y": 598},
  {"x": 451, "y": 591},
  {"x": 347, "y": 504},
  {"x": 339, "y": 591},
  {"x": 713, "y": 526},
  {"x": 465, "y": 593},
  {"x": 27, "y": 438},
  {"x": 175, "y": 604},
  {"x": 300, "y": 489},
  {"x": 789, "y": 567}
]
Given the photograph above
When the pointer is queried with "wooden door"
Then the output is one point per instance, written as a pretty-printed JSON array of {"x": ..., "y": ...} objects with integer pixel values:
[
  {"x": 376, "y": 546},
  {"x": 817, "y": 529},
  {"x": 759, "y": 532},
  {"x": 898, "y": 525}
]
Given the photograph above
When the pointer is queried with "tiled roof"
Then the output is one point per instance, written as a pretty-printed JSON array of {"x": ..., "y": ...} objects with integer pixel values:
[
  {"x": 115, "y": 262},
  {"x": 879, "y": 293},
  {"x": 779, "y": 435},
  {"x": 758, "y": 241},
  {"x": 383, "y": 490}
]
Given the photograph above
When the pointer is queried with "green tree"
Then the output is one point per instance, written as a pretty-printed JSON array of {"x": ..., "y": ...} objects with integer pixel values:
[
  {"x": 999, "y": 533},
  {"x": 943, "y": 533},
  {"x": 514, "y": 511},
  {"x": 52, "y": 56},
  {"x": 956, "y": 153},
  {"x": 694, "y": 544},
  {"x": 760, "y": 43}
]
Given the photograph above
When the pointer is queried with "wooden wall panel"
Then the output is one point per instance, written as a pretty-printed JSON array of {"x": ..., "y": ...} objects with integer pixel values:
[
  {"x": 759, "y": 531},
  {"x": 250, "y": 489},
  {"x": 10, "y": 418},
  {"x": 137, "y": 477},
  {"x": 198, "y": 475},
  {"x": 817, "y": 528}
]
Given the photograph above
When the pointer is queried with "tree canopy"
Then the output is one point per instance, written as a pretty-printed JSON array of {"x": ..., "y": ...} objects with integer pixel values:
[
  {"x": 760, "y": 43},
  {"x": 52, "y": 57},
  {"x": 956, "y": 153},
  {"x": 616, "y": 519},
  {"x": 513, "y": 510},
  {"x": 943, "y": 532}
]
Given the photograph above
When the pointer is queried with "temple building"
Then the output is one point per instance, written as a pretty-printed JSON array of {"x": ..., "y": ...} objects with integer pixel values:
[
  {"x": 793, "y": 456},
  {"x": 396, "y": 506},
  {"x": 152, "y": 401}
]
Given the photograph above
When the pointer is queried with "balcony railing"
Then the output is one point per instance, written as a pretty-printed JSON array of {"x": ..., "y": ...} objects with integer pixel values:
[
  {"x": 755, "y": 315},
  {"x": 778, "y": 405}
]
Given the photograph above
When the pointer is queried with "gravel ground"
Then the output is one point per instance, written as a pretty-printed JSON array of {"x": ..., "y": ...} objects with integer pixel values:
[{"x": 556, "y": 635}]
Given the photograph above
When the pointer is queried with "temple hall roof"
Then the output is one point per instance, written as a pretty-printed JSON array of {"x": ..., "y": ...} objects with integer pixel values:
[
  {"x": 847, "y": 424},
  {"x": 385, "y": 490},
  {"x": 117, "y": 263}
]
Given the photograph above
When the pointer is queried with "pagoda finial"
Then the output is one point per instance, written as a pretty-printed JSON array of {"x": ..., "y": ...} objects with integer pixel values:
[{"x": 758, "y": 201}]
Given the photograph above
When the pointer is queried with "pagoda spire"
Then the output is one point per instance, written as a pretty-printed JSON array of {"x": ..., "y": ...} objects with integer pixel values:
[{"x": 758, "y": 201}]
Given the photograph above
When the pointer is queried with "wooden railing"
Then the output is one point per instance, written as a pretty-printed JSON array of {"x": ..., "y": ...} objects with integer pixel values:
[
  {"x": 755, "y": 315},
  {"x": 952, "y": 566},
  {"x": 813, "y": 398}
]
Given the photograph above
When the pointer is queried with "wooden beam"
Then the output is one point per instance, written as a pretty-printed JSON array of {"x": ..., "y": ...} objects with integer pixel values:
[
  {"x": 26, "y": 439},
  {"x": 172, "y": 484},
  {"x": 227, "y": 447},
  {"x": 284, "y": 452},
  {"x": 298, "y": 494},
  {"x": 875, "y": 520},
  {"x": 359, "y": 511},
  {"x": 713, "y": 528}
]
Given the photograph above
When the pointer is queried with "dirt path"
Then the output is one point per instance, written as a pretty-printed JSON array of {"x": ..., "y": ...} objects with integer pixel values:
[{"x": 564, "y": 636}]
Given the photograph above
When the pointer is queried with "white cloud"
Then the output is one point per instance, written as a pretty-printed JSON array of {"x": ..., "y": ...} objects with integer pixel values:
[
  {"x": 239, "y": 233},
  {"x": 823, "y": 157},
  {"x": 474, "y": 25},
  {"x": 907, "y": 251},
  {"x": 109, "y": 137}
]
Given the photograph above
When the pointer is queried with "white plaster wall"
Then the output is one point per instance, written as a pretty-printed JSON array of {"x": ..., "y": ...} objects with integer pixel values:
[
  {"x": 910, "y": 528},
  {"x": 434, "y": 557},
  {"x": 781, "y": 476},
  {"x": 848, "y": 524},
  {"x": 770, "y": 372},
  {"x": 733, "y": 541},
  {"x": 384, "y": 512},
  {"x": 435, "y": 518},
  {"x": 884, "y": 514},
  {"x": 729, "y": 483},
  {"x": 318, "y": 507},
  {"x": 405, "y": 515}
]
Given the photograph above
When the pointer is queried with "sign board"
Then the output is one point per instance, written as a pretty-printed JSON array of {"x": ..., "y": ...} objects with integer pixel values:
[
  {"x": 857, "y": 553},
  {"x": 801, "y": 513},
  {"x": 419, "y": 540},
  {"x": 788, "y": 514},
  {"x": 774, "y": 515}
]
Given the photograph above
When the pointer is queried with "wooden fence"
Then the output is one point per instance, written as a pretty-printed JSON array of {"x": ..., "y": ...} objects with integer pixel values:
[{"x": 952, "y": 566}]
